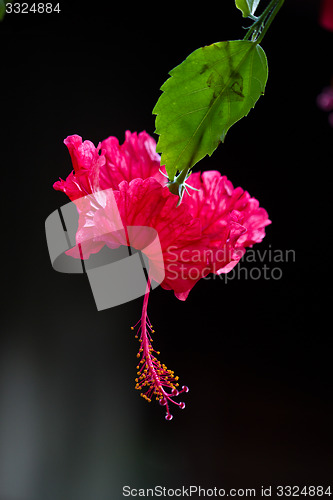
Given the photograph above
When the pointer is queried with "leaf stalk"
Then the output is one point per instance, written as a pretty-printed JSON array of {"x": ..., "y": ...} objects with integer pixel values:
[{"x": 262, "y": 23}]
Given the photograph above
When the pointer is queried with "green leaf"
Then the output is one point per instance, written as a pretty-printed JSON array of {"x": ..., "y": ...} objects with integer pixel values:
[
  {"x": 207, "y": 93},
  {"x": 2, "y": 9},
  {"x": 248, "y": 7}
]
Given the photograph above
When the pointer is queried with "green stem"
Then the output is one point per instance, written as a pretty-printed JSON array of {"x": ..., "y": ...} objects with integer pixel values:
[
  {"x": 271, "y": 17},
  {"x": 259, "y": 21},
  {"x": 263, "y": 22}
]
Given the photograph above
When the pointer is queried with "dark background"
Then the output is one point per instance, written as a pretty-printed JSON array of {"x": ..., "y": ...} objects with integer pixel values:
[{"x": 256, "y": 353}]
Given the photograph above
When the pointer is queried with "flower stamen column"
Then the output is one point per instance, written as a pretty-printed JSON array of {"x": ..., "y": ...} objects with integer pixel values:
[{"x": 153, "y": 377}]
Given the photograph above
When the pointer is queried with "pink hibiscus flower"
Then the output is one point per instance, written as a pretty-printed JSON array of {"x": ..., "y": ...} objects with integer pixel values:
[
  {"x": 326, "y": 14},
  {"x": 207, "y": 233}
]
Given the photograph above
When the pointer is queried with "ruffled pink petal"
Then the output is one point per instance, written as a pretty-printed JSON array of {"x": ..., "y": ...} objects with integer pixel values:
[
  {"x": 222, "y": 208},
  {"x": 95, "y": 229},
  {"x": 84, "y": 155},
  {"x": 255, "y": 219},
  {"x": 86, "y": 162},
  {"x": 71, "y": 187},
  {"x": 147, "y": 203},
  {"x": 135, "y": 158}
]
